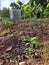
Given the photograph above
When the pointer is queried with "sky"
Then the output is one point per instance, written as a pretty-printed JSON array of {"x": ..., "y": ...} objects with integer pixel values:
[{"x": 6, "y": 3}]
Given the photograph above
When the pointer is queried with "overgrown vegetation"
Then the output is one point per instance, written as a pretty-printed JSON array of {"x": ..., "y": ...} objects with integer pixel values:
[
  {"x": 34, "y": 8},
  {"x": 26, "y": 40}
]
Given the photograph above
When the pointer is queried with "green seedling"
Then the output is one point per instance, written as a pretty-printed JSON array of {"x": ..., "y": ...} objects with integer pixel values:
[{"x": 34, "y": 41}]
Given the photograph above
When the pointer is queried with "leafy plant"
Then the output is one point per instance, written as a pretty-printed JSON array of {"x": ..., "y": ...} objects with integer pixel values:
[
  {"x": 31, "y": 40},
  {"x": 27, "y": 10}
]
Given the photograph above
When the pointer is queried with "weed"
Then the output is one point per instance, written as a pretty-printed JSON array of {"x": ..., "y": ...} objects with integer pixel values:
[
  {"x": 31, "y": 40},
  {"x": 4, "y": 32}
]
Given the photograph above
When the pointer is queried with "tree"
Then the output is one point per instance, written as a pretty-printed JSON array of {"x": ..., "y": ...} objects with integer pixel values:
[
  {"x": 17, "y": 5},
  {"x": 5, "y": 12},
  {"x": 14, "y": 5},
  {"x": 41, "y": 2},
  {"x": 20, "y": 3}
]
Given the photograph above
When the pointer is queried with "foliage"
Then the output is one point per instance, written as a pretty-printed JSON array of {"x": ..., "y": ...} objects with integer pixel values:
[
  {"x": 17, "y": 5},
  {"x": 33, "y": 7},
  {"x": 7, "y": 22},
  {"x": 27, "y": 10},
  {"x": 20, "y": 4},
  {"x": 31, "y": 11},
  {"x": 14, "y": 5},
  {"x": 31, "y": 40},
  {"x": 4, "y": 32},
  {"x": 5, "y": 12},
  {"x": 46, "y": 11},
  {"x": 38, "y": 8},
  {"x": 42, "y": 2},
  {"x": 34, "y": 40}
]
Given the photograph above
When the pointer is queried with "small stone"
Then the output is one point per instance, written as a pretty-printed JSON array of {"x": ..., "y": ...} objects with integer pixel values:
[
  {"x": 22, "y": 63},
  {"x": 25, "y": 57},
  {"x": 9, "y": 48}
]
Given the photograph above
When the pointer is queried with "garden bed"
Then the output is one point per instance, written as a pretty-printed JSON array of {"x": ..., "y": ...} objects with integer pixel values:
[{"x": 12, "y": 48}]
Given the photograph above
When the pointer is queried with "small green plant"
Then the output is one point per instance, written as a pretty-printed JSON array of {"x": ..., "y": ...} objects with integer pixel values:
[
  {"x": 7, "y": 24},
  {"x": 29, "y": 50},
  {"x": 4, "y": 32},
  {"x": 33, "y": 41}
]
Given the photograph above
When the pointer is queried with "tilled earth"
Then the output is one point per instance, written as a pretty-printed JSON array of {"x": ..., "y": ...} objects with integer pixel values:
[{"x": 12, "y": 46}]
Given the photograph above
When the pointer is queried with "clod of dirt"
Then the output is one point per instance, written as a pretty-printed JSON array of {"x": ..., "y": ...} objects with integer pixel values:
[
  {"x": 1, "y": 61},
  {"x": 25, "y": 57},
  {"x": 36, "y": 55}
]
